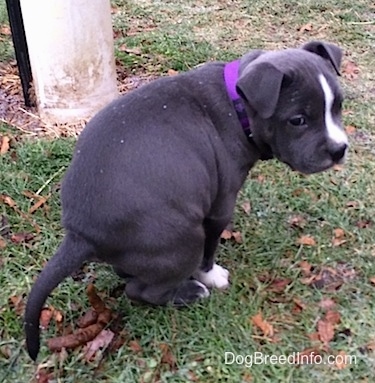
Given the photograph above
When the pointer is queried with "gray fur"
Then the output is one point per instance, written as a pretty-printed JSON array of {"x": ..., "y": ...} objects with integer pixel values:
[{"x": 155, "y": 174}]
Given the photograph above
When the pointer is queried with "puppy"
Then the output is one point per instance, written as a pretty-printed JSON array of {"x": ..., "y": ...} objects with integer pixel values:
[{"x": 155, "y": 174}]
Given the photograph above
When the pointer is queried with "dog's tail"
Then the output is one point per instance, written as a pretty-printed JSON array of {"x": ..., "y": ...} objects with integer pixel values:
[{"x": 71, "y": 254}]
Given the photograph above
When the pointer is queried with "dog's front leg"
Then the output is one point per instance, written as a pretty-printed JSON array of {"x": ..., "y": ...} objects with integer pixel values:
[{"x": 210, "y": 273}]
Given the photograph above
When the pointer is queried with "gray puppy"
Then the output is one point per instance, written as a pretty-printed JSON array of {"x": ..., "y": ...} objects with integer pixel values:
[{"x": 155, "y": 174}]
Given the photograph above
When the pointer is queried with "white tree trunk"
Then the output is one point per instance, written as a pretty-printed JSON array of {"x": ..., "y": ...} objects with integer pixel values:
[{"x": 71, "y": 52}]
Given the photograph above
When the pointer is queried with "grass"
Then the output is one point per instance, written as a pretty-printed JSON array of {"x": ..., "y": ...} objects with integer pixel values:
[{"x": 179, "y": 35}]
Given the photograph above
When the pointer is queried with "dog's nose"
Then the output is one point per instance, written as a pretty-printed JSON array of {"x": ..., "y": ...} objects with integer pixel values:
[{"x": 338, "y": 152}]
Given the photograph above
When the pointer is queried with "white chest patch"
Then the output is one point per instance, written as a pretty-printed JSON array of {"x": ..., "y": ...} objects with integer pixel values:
[
  {"x": 216, "y": 277},
  {"x": 335, "y": 133}
]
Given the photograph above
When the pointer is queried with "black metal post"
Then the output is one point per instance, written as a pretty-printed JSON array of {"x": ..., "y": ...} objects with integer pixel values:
[{"x": 20, "y": 47}]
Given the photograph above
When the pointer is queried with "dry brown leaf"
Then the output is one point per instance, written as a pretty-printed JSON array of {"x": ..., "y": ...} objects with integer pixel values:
[
  {"x": 341, "y": 362},
  {"x": 4, "y": 144},
  {"x": 44, "y": 376},
  {"x": 299, "y": 304},
  {"x": 333, "y": 317},
  {"x": 167, "y": 356},
  {"x": 350, "y": 70},
  {"x": 99, "y": 343},
  {"x": 18, "y": 304},
  {"x": 237, "y": 236},
  {"x": 306, "y": 240},
  {"x": 338, "y": 237},
  {"x": 226, "y": 235},
  {"x": 22, "y": 237},
  {"x": 5, "y": 30},
  {"x": 314, "y": 337},
  {"x": 135, "y": 346},
  {"x": 306, "y": 268},
  {"x": 246, "y": 207},
  {"x": 364, "y": 224},
  {"x": 172, "y": 72},
  {"x": 45, "y": 317},
  {"x": 297, "y": 221},
  {"x": 3, "y": 243},
  {"x": 350, "y": 129},
  {"x": 327, "y": 304},
  {"x": 352, "y": 204},
  {"x": 307, "y": 356},
  {"x": 326, "y": 331},
  {"x": 266, "y": 328},
  {"x": 306, "y": 28},
  {"x": 278, "y": 285}
]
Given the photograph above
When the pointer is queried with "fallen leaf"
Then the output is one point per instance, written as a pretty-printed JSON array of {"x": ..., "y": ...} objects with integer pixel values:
[
  {"x": 278, "y": 285},
  {"x": 333, "y": 317},
  {"x": 338, "y": 237},
  {"x": 135, "y": 346},
  {"x": 7, "y": 200},
  {"x": 44, "y": 376},
  {"x": 314, "y": 337},
  {"x": 350, "y": 70},
  {"x": 3, "y": 243},
  {"x": 237, "y": 236},
  {"x": 326, "y": 331},
  {"x": 45, "y": 317},
  {"x": 341, "y": 360},
  {"x": 246, "y": 207},
  {"x": 4, "y": 144},
  {"x": 327, "y": 304},
  {"x": 352, "y": 204},
  {"x": 234, "y": 235},
  {"x": 306, "y": 28},
  {"x": 306, "y": 240},
  {"x": 22, "y": 237},
  {"x": 364, "y": 224},
  {"x": 306, "y": 268},
  {"x": 266, "y": 328},
  {"x": 226, "y": 235},
  {"x": 172, "y": 72},
  {"x": 5, "y": 30},
  {"x": 18, "y": 304},
  {"x": 337, "y": 168},
  {"x": 307, "y": 356},
  {"x": 298, "y": 302},
  {"x": 167, "y": 356},
  {"x": 100, "y": 342},
  {"x": 132, "y": 51},
  {"x": 41, "y": 201},
  {"x": 297, "y": 221},
  {"x": 350, "y": 129}
]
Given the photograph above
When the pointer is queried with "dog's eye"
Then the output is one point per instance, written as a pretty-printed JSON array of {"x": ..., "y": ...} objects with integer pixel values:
[{"x": 298, "y": 121}]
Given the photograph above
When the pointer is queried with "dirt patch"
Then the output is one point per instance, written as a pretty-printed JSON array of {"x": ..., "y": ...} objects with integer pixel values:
[{"x": 13, "y": 111}]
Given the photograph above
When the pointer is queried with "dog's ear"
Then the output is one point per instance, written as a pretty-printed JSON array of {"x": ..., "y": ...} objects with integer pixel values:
[
  {"x": 329, "y": 52},
  {"x": 260, "y": 86}
]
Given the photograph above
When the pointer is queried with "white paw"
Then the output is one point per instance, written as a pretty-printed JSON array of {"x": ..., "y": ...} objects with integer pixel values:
[
  {"x": 216, "y": 277},
  {"x": 205, "y": 293}
]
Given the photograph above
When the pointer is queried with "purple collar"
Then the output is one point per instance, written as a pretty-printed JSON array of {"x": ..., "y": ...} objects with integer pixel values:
[{"x": 230, "y": 77}]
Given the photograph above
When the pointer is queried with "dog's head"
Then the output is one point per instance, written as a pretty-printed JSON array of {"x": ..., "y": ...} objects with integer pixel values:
[{"x": 294, "y": 102}]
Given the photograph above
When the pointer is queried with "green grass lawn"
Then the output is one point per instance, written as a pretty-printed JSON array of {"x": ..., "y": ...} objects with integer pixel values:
[{"x": 277, "y": 211}]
